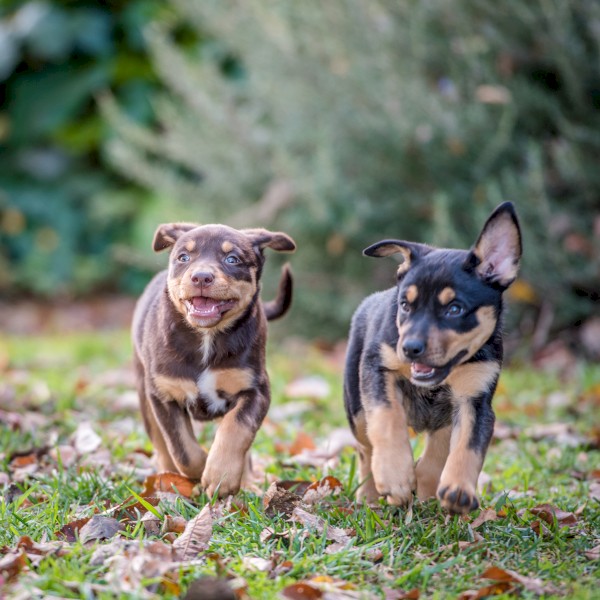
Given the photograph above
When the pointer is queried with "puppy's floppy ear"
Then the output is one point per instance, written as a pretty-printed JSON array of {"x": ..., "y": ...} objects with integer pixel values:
[
  {"x": 276, "y": 240},
  {"x": 168, "y": 233},
  {"x": 410, "y": 252},
  {"x": 497, "y": 252}
]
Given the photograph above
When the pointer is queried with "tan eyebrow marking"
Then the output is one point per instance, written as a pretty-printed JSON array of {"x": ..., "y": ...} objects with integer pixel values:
[
  {"x": 190, "y": 245},
  {"x": 412, "y": 293},
  {"x": 226, "y": 247},
  {"x": 446, "y": 296}
]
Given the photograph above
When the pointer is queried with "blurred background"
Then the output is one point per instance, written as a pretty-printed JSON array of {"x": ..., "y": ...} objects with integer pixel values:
[{"x": 341, "y": 123}]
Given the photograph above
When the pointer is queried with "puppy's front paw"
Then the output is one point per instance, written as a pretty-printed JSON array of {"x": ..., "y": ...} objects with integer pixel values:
[
  {"x": 457, "y": 497},
  {"x": 395, "y": 482},
  {"x": 222, "y": 475}
]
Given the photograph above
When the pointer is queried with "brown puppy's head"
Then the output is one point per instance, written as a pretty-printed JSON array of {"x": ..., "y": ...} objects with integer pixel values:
[
  {"x": 449, "y": 301},
  {"x": 214, "y": 270}
]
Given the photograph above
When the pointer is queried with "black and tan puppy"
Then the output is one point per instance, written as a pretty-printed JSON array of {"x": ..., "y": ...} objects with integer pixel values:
[
  {"x": 427, "y": 354},
  {"x": 199, "y": 333}
]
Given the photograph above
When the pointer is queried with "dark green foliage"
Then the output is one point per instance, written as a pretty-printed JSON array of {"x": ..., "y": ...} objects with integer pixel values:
[
  {"x": 399, "y": 119},
  {"x": 61, "y": 211}
]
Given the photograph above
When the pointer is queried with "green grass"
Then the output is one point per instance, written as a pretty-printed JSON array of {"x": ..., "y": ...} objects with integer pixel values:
[{"x": 62, "y": 381}]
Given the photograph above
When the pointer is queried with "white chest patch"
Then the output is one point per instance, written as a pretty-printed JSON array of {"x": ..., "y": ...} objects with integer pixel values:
[{"x": 207, "y": 387}]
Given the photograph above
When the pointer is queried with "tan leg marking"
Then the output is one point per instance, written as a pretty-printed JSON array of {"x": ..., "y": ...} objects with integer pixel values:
[
  {"x": 392, "y": 460},
  {"x": 175, "y": 388},
  {"x": 227, "y": 456},
  {"x": 233, "y": 381},
  {"x": 459, "y": 477},
  {"x": 458, "y": 482},
  {"x": 431, "y": 463},
  {"x": 367, "y": 492}
]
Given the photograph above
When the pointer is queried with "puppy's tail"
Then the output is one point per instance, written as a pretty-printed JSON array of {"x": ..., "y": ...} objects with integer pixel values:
[{"x": 279, "y": 306}]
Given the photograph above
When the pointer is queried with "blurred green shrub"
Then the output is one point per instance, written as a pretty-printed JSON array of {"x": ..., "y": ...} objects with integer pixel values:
[
  {"x": 348, "y": 121},
  {"x": 63, "y": 213}
]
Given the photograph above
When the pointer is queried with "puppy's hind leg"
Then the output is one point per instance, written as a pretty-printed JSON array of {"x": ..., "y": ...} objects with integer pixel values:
[
  {"x": 366, "y": 492},
  {"x": 431, "y": 463}
]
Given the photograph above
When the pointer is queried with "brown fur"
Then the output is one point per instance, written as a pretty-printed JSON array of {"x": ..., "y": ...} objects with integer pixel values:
[{"x": 199, "y": 333}]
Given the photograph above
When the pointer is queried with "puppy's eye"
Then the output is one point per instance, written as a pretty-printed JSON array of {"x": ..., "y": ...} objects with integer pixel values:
[
  {"x": 404, "y": 306},
  {"x": 232, "y": 260},
  {"x": 183, "y": 258},
  {"x": 454, "y": 310}
]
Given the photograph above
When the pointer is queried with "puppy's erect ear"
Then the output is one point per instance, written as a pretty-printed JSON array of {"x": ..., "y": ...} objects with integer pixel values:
[
  {"x": 497, "y": 252},
  {"x": 168, "y": 233},
  {"x": 276, "y": 240},
  {"x": 410, "y": 252}
]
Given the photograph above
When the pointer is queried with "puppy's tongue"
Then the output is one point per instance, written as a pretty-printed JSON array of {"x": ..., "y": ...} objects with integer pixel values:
[{"x": 421, "y": 369}]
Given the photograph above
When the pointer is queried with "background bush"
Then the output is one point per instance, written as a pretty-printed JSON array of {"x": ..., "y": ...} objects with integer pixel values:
[{"x": 349, "y": 121}]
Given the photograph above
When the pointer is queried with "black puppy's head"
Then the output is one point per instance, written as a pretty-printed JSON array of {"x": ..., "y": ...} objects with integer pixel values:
[
  {"x": 449, "y": 301},
  {"x": 214, "y": 270}
]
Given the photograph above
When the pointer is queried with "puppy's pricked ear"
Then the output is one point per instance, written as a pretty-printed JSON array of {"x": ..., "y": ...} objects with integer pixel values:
[
  {"x": 410, "y": 252},
  {"x": 168, "y": 233},
  {"x": 276, "y": 240},
  {"x": 497, "y": 252}
]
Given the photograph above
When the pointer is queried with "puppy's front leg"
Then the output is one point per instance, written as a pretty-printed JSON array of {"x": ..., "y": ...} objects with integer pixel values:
[
  {"x": 387, "y": 430},
  {"x": 173, "y": 438},
  {"x": 227, "y": 455},
  {"x": 473, "y": 386}
]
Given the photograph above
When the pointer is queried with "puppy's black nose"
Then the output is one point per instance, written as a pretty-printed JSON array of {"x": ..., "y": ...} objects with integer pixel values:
[
  {"x": 413, "y": 348},
  {"x": 202, "y": 278}
]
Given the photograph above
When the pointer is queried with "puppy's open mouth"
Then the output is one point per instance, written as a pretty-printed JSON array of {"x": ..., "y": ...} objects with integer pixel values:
[
  {"x": 422, "y": 374},
  {"x": 204, "y": 308}
]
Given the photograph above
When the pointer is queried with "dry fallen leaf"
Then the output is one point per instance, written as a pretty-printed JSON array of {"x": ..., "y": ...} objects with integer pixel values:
[
  {"x": 594, "y": 553},
  {"x": 210, "y": 588},
  {"x": 196, "y": 535},
  {"x": 12, "y": 564},
  {"x": 308, "y": 387},
  {"x": 531, "y": 584},
  {"x": 168, "y": 482},
  {"x": 173, "y": 524},
  {"x": 70, "y": 530},
  {"x": 550, "y": 513},
  {"x": 99, "y": 528},
  {"x": 328, "y": 486},
  {"x": 595, "y": 490},
  {"x": 488, "y": 514},
  {"x": 283, "y": 496},
  {"x": 318, "y": 524},
  {"x": 256, "y": 563},
  {"x": 301, "y": 591},
  {"x": 302, "y": 442}
]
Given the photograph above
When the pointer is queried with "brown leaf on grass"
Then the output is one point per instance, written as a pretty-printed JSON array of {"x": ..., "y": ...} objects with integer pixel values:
[
  {"x": 12, "y": 564},
  {"x": 99, "y": 528},
  {"x": 151, "y": 523},
  {"x": 283, "y": 496},
  {"x": 562, "y": 434},
  {"x": 413, "y": 594},
  {"x": 374, "y": 555},
  {"x": 196, "y": 535},
  {"x": 302, "y": 442},
  {"x": 318, "y": 524},
  {"x": 42, "y": 548},
  {"x": 531, "y": 584},
  {"x": 550, "y": 513},
  {"x": 488, "y": 514},
  {"x": 70, "y": 531},
  {"x": 168, "y": 482},
  {"x": 595, "y": 490},
  {"x": 327, "y": 453},
  {"x": 328, "y": 486},
  {"x": 301, "y": 591},
  {"x": 210, "y": 588},
  {"x": 502, "y": 587},
  {"x": 173, "y": 524}
]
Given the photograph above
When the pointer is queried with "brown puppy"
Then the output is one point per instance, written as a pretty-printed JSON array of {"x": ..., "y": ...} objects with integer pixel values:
[{"x": 199, "y": 333}]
